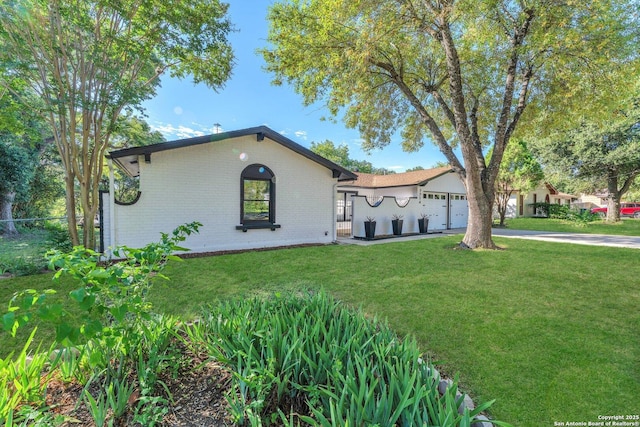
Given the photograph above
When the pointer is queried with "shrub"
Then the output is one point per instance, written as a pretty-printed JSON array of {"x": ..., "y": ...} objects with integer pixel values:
[
  {"x": 114, "y": 322},
  {"x": 112, "y": 298},
  {"x": 565, "y": 212},
  {"x": 316, "y": 360},
  {"x": 58, "y": 237}
]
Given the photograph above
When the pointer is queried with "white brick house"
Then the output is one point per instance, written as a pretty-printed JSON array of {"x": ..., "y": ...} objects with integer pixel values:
[{"x": 251, "y": 188}]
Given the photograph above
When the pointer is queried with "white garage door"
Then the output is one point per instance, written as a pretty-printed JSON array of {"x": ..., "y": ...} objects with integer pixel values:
[
  {"x": 459, "y": 210},
  {"x": 435, "y": 205}
]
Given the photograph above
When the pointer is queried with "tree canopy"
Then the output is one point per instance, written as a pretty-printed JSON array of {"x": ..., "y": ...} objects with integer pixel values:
[
  {"x": 340, "y": 156},
  {"x": 22, "y": 143},
  {"x": 599, "y": 155},
  {"x": 90, "y": 60},
  {"x": 459, "y": 73},
  {"x": 519, "y": 171}
]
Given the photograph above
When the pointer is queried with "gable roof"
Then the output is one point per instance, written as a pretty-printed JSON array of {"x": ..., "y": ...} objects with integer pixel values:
[
  {"x": 127, "y": 158},
  {"x": 421, "y": 177}
]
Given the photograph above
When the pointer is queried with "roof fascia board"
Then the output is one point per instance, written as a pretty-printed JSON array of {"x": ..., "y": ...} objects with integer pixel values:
[{"x": 260, "y": 132}]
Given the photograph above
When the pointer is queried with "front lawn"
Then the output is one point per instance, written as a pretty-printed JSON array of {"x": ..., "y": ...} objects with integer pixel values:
[
  {"x": 550, "y": 330},
  {"x": 626, "y": 227}
]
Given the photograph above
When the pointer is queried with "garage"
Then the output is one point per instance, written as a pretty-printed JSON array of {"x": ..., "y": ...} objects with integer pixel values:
[
  {"x": 436, "y": 209},
  {"x": 438, "y": 194},
  {"x": 458, "y": 210}
]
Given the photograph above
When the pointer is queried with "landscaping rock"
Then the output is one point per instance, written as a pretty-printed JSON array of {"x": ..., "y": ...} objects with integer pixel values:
[
  {"x": 443, "y": 386},
  {"x": 466, "y": 403},
  {"x": 482, "y": 421}
]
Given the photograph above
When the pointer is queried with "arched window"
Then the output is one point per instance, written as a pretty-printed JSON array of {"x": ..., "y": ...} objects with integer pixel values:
[{"x": 257, "y": 197}]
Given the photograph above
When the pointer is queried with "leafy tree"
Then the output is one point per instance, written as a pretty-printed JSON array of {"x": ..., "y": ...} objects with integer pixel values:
[
  {"x": 16, "y": 173},
  {"x": 46, "y": 188},
  {"x": 460, "y": 72},
  {"x": 599, "y": 155},
  {"x": 328, "y": 150},
  {"x": 89, "y": 60},
  {"x": 21, "y": 145},
  {"x": 417, "y": 168},
  {"x": 519, "y": 171},
  {"x": 340, "y": 155}
]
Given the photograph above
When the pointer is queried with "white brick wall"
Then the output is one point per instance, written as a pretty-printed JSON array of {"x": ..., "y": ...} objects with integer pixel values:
[
  {"x": 383, "y": 213},
  {"x": 202, "y": 183}
]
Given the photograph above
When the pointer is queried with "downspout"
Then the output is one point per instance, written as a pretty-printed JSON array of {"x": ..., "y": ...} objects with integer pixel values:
[
  {"x": 334, "y": 227},
  {"x": 112, "y": 208}
]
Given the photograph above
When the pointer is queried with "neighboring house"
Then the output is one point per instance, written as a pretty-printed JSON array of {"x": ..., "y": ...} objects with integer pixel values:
[
  {"x": 438, "y": 194},
  {"x": 589, "y": 201},
  {"x": 522, "y": 205},
  {"x": 250, "y": 188}
]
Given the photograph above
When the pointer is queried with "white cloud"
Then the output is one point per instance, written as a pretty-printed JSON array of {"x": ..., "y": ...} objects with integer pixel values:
[
  {"x": 299, "y": 134},
  {"x": 170, "y": 131},
  {"x": 396, "y": 168}
]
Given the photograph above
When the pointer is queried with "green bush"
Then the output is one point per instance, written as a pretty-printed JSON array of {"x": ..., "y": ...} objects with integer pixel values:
[
  {"x": 565, "y": 212},
  {"x": 110, "y": 332},
  {"x": 58, "y": 237},
  {"x": 311, "y": 360}
]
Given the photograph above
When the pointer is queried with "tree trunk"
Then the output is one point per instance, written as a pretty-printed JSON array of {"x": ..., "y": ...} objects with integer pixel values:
[
  {"x": 70, "y": 202},
  {"x": 479, "y": 225},
  {"x": 8, "y": 228},
  {"x": 613, "y": 204},
  {"x": 502, "y": 204},
  {"x": 503, "y": 214}
]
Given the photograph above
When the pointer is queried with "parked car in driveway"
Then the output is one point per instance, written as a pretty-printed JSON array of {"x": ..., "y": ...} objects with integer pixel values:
[{"x": 626, "y": 209}]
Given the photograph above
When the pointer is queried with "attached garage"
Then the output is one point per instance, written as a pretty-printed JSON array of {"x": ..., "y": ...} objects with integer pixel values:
[
  {"x": 437, "y": 193},
  {"x": 435, "y": 207},
  {"x": 458, "y": 210}
]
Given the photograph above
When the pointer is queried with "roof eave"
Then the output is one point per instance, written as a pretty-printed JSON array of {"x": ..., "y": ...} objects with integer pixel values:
[{"x": 342, "y": 174}]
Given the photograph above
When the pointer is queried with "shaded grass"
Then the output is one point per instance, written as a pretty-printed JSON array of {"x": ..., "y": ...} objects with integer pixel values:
[
  {"x": 626, "y": 227},
  {"x": 550, "y": 330},
  {"x": 24, "y": 253}
]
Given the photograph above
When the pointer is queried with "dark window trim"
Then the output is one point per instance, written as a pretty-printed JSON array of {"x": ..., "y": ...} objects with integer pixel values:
[
  {"x": 251, "y": 172},
  {"x": 133, "y": 202},
  {"x": 258, "y": 226}
]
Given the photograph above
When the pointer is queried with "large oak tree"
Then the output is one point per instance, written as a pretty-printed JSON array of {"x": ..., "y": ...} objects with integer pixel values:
[
  {"x": 460, "y": 73},
  {"x": 89, "y": 60},
  {"x": 599, "y": 154}
]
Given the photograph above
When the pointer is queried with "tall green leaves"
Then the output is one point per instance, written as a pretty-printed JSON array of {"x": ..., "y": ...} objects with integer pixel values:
[{"x": 310, "y": 359}]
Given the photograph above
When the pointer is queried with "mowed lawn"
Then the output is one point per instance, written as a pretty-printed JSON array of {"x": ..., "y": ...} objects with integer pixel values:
[
  {"x": 550, "y": 330},
  {"x": 626, "y": 227}
]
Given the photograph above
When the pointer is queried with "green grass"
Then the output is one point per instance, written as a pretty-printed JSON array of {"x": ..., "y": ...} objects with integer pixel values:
[
  {"x": 23, "y": 254},
  {"x": 550, "y": 330},
  {"x": 626, "y": 227}
]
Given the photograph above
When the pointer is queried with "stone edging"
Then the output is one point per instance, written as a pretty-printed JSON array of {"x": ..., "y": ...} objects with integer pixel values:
[{"x": 467, "y": 402}]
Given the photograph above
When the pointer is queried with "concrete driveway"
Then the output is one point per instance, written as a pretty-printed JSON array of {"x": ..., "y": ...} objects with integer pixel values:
[
  {"x": 576, "y": 238},
  {"x": 549, "y": 236}
]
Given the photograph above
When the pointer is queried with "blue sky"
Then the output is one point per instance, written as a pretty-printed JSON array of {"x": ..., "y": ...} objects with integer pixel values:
[{"x": 182, "y": 109}]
